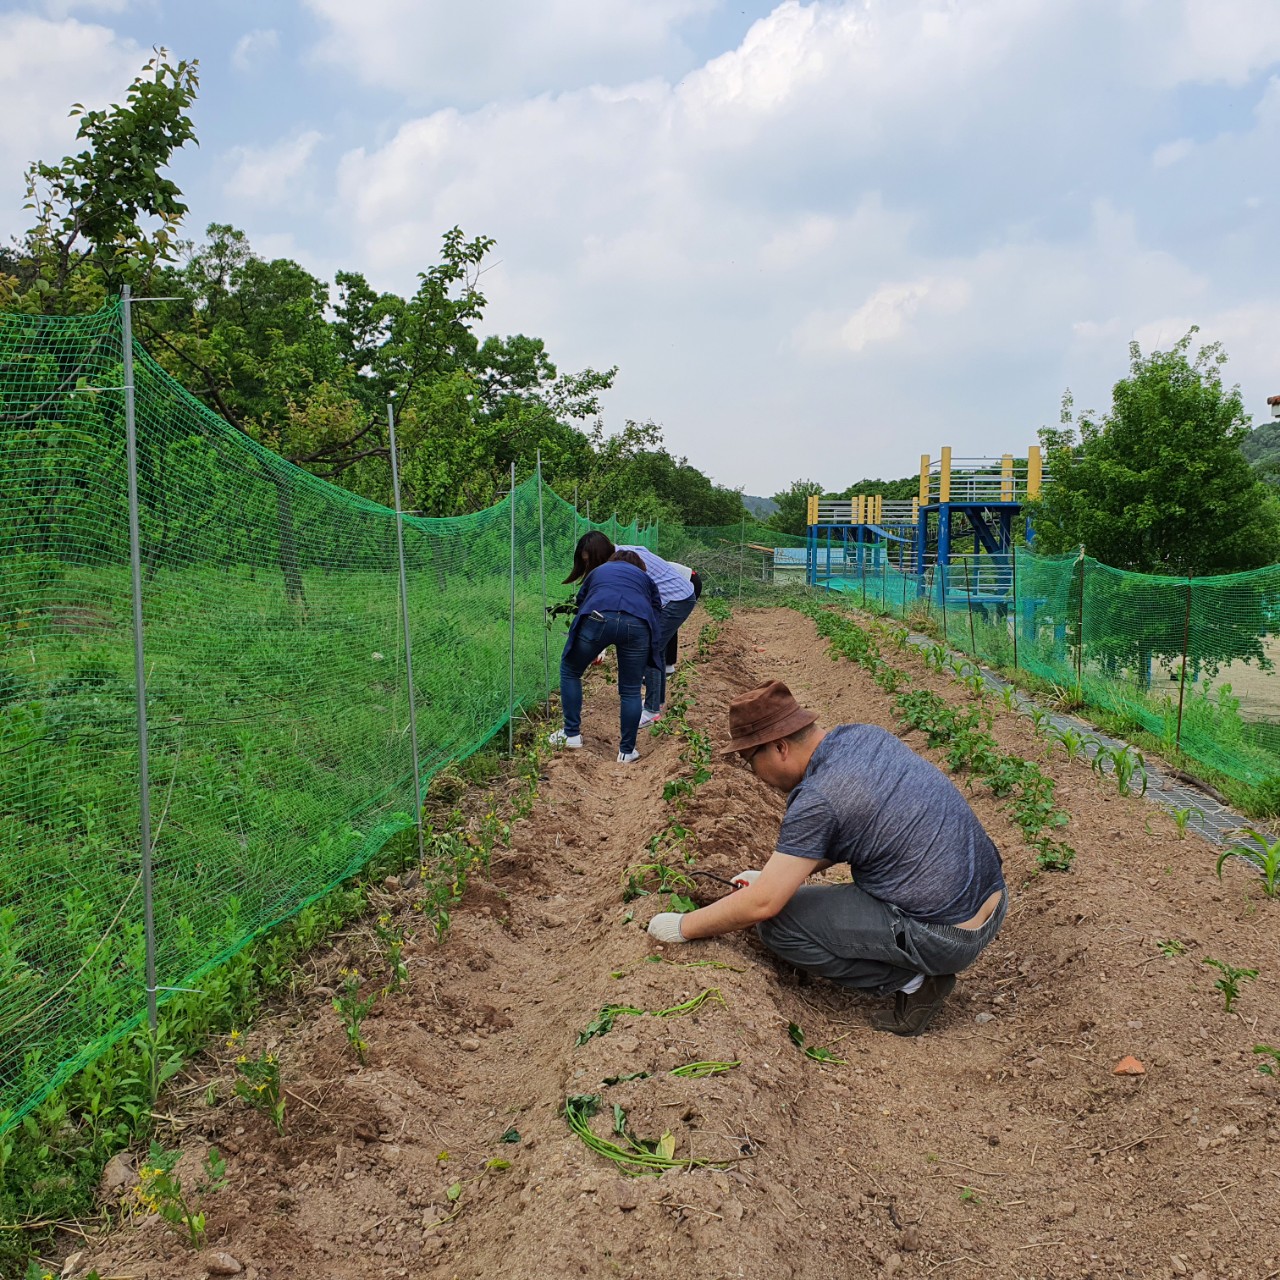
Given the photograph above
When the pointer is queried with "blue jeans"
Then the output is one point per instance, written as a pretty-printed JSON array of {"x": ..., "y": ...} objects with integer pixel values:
[
  {"x": 655, "y": 678},
  {"x": 630, "y": 637},
  {"x": 855, "y": 940}
]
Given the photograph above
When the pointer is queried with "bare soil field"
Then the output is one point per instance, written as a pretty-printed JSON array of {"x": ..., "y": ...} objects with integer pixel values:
[{"x": 1000, "y": 1144}]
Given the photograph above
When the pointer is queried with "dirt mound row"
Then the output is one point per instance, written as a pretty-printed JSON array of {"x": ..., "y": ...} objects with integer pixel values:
[{"x": 1001, "y": 1143}]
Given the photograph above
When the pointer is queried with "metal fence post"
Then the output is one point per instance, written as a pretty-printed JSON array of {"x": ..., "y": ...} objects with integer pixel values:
[
  {"x": 1080, "y": 628},
  {"x": 742, "y": 553},
  {"x": 408, "y": 634},
  {"x": 1017, "y": 620},
  {"x": 542, "y": 555},
  {"x": 1182, "y": 681},
  {"x": 139, "y": 659},
  {"x": 511, "y": 688},
  {"x": 968, "y": 591}
]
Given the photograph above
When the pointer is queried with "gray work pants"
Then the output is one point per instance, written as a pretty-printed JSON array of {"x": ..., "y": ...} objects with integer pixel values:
[{"x": 842, "y": 933}]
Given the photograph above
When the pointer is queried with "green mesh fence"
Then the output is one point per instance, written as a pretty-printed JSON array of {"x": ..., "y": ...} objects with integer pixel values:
[
  {"x": 1190, "y": 661},
  {"x": 743, "y": 561},
  {"x": 280, "y": 758}
]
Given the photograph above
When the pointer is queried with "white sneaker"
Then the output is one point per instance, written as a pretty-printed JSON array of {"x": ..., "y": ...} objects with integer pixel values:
[
  {"x": 628, "y": 757},
  {"x": 558, "y": 738},
  {"x": 671, "y": 670},
  {"x": 648, "y": 717}
]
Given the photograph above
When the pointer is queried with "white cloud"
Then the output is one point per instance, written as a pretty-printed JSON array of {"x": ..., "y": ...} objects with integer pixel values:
[
  {"x": 72, "y": 62},
  {"x": 270, "y": 175},
  {"x": 437, "y": 50},
  {"x": 64, "y": 8},
  {"x": 859, "y": 214},
  {"x": 1171, "y": 152},
  {"x": 253, "y": 48}
]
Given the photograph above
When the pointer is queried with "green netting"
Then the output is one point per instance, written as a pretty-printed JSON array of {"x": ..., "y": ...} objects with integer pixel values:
[
  {"x": 280, "y": 758},
  {"x": 744, "y": 560},
  {"x": 1190, "y": 661}
]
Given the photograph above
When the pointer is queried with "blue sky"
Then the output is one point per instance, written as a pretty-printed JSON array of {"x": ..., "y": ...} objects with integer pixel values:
[{"x": 818, "y": 239}]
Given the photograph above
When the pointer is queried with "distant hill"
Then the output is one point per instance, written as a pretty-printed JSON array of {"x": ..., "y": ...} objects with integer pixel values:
[
  {"x": 1262, "y": 448},
  {"x": 761, "y": 508}
]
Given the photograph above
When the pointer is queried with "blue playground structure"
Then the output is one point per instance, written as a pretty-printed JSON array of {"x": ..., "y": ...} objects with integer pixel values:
[{"x": 952, "y": 544}]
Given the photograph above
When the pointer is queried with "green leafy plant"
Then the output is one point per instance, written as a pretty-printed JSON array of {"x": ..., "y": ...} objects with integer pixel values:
[
  {"x": 258, "y": 1084},
  {"x": 1041, "y": 720},
  {"x": 603, "y": 1022},
  {"x": 1271, "y": 1068},
  {"x": 352, "y": 1011},
  {"x": 719, "y": 609},
  {"x": 697, "y": 1070},
  {"x": 1263, "y": 854},
  {"x": 1229, "y": 982},
  {"x": 816, "y": 1052},
  {"x": 1181, "y": 820},
  {"x": 392, "y": 939},
  {"x": 634, "y": 1156},
  {"x": 1127, "y": 764},
  {"x": 1171, "y": 947},
  {"x": 161, "y": 1191},
  {"x": 1073, "y": 743},
  {"x": 644, "y": 878}
]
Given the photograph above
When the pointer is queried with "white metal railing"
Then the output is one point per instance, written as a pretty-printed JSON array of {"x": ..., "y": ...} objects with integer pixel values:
[
  {"x": 845, "y": 511},
  {"x": 979, "y": 480}
]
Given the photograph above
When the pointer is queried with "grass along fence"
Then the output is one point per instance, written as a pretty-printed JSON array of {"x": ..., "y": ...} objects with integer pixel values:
[
  {"x": 279, "y": 753},
  {"x": 1189, "y": 662}
]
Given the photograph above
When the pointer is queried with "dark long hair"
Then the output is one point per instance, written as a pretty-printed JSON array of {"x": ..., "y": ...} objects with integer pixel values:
[
  {"x": 628, "y": 557},
  {"x": 593, "y": 549}
]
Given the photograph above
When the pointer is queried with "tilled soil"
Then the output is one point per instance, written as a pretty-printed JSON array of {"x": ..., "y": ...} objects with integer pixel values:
[{"x": 1001, "y": 1143}]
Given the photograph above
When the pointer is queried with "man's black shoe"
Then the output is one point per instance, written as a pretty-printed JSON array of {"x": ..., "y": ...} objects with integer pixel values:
[{"x": 912, "y": 1013}]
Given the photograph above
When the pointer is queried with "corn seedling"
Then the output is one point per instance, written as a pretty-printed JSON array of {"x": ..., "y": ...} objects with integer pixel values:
[
  {"x": 1181, "y": 818},
  {"x": 816, "y": 1052},
  {"x": 1265, "y": 855},
  {"x": 698, "y": 1070},
  {"x": 160, "y": 1191},
  {"x": 1072, "y": 741},
  {"x": 392, "y": 938},
  {"x": 1271, "y": 1068},
  {"x": 352, "y": 1011},
  {"x": 1041, "y": 721},
  {"x": 1126, "y": 765},
  {"x": 1171, "y": 947},
  {"x": 936, "y": 657},
  {"x": 975, "y": 683},
  {"x": 258, "y": 1083},
  {"x": 1009, "y": 698},
  {"x": 637, "y": 1157},
  {"x": 1229, "y": 983}
]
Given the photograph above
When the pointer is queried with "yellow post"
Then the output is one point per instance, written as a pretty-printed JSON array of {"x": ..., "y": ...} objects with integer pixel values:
[
  {"x": 924, "y": 479},
  {"x": 915, "y": 510},
  {"x": 879, "y": 508},
  {"x": 1033, "y": 471},
  {"x": 811, "y": 516},
  {"x": 861, "y": 503},
  {"x": 944, "y": 479},
  {"x": 1006, "y": 478}
]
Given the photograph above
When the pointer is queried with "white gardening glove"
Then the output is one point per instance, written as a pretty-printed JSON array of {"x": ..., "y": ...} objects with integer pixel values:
[
  {"x": 665, "y": 927},
  {"x": 744, "y": 879}
]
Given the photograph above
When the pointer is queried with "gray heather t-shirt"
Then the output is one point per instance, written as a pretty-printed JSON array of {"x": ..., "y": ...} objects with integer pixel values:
[{"x": 907, "y": 833}]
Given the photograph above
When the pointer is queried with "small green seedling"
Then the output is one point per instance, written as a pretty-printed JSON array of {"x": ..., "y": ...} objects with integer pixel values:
[
  {"x": 816, "y": 1052},
  {"x": 638, "y": 1156},
  {"x": 1073, "y": 742},
  {"x": 1271, "y": 1068},
  {"x": 969, "y": 1196},
  {"x": 352, "y": 1011},
  {"x": 160, "y": 1191},
  {"x": 392, "y": 938},
  {"x": 1009, "y": 698},
  {"x": 1265, "y": 855},
  {"x": 258, "y": 1083},
  {"x": 1171, "y": 947},
  {"x": 1229, "y": 983},
  {"x": 1182, "y": 818},
  {"x": 1127, "y": 764},
  {"x": 1041, "y": 721}
]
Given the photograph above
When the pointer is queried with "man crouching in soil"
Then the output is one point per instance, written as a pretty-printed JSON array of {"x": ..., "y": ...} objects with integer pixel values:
[{"x": 929, "y": 892}]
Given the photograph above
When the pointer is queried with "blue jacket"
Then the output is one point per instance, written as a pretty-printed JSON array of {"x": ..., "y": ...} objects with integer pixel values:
[{"x": 615, "y": 585}]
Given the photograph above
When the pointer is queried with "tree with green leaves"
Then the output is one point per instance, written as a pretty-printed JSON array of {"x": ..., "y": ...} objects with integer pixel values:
[
  {"x": 793, "y": 504},
  {"x": 89, "y": 235},
  {"x": 1159, "y": 483}
]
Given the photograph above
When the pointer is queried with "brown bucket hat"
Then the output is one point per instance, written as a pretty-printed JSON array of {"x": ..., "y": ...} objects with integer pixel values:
[{"x": 764, "y": 715}]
